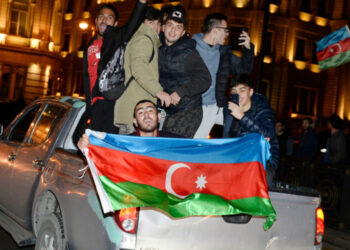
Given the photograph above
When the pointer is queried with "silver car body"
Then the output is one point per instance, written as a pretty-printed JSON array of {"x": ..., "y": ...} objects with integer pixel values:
[{"x": 44, "y": 184}]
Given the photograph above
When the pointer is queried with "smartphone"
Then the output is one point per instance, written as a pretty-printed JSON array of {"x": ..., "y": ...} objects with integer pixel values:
[
  {"x": 235, "y": 98},
  {"x": 243, "y": 29}
]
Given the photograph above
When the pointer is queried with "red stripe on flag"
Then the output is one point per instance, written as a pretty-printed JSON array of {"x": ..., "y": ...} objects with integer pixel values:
[
  {"x": 231, "y": 181},
  {"x": 334, "y": 49}
]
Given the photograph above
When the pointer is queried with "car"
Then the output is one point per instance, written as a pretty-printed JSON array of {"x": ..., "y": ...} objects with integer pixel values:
[{"x": 46, "y": 193}]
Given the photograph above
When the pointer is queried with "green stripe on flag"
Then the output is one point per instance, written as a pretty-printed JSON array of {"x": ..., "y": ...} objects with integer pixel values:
[
  {"x": 128, "y": 194},
  {"x": 335, "y": 61}
]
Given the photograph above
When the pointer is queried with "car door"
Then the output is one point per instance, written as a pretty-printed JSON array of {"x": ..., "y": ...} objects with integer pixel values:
[
  {"x": 31, "y": 158},
  {"x": 12, "y": 140}
]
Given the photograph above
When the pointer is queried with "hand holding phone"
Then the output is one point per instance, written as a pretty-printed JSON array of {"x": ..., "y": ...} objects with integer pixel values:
[
  {"x": 244, "y": 38},
  {"x": 235, "y": 99}
]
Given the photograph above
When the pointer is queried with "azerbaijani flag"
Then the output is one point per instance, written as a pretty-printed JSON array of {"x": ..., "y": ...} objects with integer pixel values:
[
  {"x": 183, "y": 177},
  {"x": 334, "y": 49}
]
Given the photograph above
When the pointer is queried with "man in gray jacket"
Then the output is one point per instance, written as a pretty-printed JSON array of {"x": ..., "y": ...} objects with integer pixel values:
[{"x": 221, "y": 63}]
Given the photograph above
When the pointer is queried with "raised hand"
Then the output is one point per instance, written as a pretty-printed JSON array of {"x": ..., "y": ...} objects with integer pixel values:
[{"x": 244, "y": 39}]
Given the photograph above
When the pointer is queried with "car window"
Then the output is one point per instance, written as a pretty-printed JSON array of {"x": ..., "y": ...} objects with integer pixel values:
[
  {"x": 46, "y": 123},
  {"x": 21, "y": 127}
]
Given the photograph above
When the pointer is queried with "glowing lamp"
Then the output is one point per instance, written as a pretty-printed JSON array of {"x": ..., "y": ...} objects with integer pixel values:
[
  {"x": 273, "y": 8},
  {"x": 315, "y": 68},
  {"x": 240, "y": 3},
  {"x": 267, "y": 59},
  {"x": 304, "y": 16},
  {"x": 2, "y": 38},
  {"x": 300, "y": 65},
  {"x": 83, "y": 25},
  {"x": 321, "y": 21}
]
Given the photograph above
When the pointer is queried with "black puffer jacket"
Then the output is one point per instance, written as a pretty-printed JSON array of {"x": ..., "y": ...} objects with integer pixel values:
[
  {"x": 181, "y": 69},
  {"x": 258, "y": 119}
]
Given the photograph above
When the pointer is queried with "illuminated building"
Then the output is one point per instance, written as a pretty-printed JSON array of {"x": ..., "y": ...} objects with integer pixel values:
[{"x": 30, "y": 37}]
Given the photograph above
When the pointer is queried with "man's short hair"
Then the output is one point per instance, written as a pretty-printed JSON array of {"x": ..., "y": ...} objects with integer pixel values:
[
  {"x": 144, "y": 101},
  {"x": 335, "y": 121},
  {"x": 165, "y": 11},
  {"x": 111, "y": 7},
  {"x": 212, "y": 21},
  {"x": 241, "y": 79},
  {"x": 153, "y": 14},
  {"x": 178, "y": 14}
]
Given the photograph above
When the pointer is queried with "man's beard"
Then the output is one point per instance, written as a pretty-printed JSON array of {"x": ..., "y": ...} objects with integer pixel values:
[
  {"x": 148, "y": 127},
  {"x": 99, "y": 29}
]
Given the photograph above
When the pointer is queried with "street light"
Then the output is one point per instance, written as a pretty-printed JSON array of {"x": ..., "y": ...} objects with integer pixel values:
[{"x": 83, "y": 25}]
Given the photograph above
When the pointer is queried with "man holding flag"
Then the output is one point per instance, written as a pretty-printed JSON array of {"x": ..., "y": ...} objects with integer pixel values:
[
  {"x": 183, "y": 177},
  {"x": 334, "y": 49},
  {"x": 146, "y": 120}
]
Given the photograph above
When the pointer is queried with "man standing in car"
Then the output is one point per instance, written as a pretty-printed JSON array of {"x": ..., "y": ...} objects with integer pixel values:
[
  {"x": 182, "y": 74},
  {"x": 101, "y": 48},
  {"x": 221, "y": 62}
]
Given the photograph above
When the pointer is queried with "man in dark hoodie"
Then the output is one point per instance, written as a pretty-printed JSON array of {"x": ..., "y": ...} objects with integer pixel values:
[
  {"x": 253, "y": 114},
  {"x": 182, "y": 74},
  {"x": 100, "y": 50}
]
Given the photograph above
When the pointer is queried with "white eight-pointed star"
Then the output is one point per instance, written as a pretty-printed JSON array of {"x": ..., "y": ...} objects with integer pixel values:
[{"x": 201, "y": 181}]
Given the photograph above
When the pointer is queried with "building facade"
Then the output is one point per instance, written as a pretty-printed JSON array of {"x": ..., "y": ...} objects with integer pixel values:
[
  {"x": 43, "y": 54},
  {"x": 30, "y": 38}
]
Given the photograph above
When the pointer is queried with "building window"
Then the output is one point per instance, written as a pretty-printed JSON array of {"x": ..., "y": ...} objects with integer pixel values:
[
  {"x": 87, "y": 5},
  {"x": 300, "y": 50},
  {"x": 19, "y": 86},
  {"x": 265, "y": 88},
  {"x": 321, "y": 8},
  {"x": 66, "y": 43},
  {"x": 314, "y": 54},
  {"x": 5, "y": 86},
  {"x": 156, "y": 1},
  {"x": 305, "y": 6},
  {"x": 268, "y": 43},
  {"x": 78, "y": 79},
  {"x": 70, "y": 6},
  {"x": 84, "y": 41},
  {"x": 305, "y": 101},
  {"x": 18, "y": 17}
]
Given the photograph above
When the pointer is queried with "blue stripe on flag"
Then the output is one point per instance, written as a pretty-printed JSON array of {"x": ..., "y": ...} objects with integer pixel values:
[
  {"x": 232, "y": 150},
  {"x": 333, "y": 38}
]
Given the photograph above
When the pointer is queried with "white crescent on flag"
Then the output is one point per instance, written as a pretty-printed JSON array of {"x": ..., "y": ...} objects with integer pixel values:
[
  {"x": 169, "y": 175},
  {"x": 336, "y": 49}
]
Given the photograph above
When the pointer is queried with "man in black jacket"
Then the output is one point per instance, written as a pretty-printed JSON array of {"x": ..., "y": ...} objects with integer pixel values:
[
  {"x": 253, "y": 114},
  {"x": 182, "y": 74},
  {"x": 101, "y": 48}
]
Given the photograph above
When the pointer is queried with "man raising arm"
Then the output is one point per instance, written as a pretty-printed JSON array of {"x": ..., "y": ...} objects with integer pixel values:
[{"x": 100, "y": 50}]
